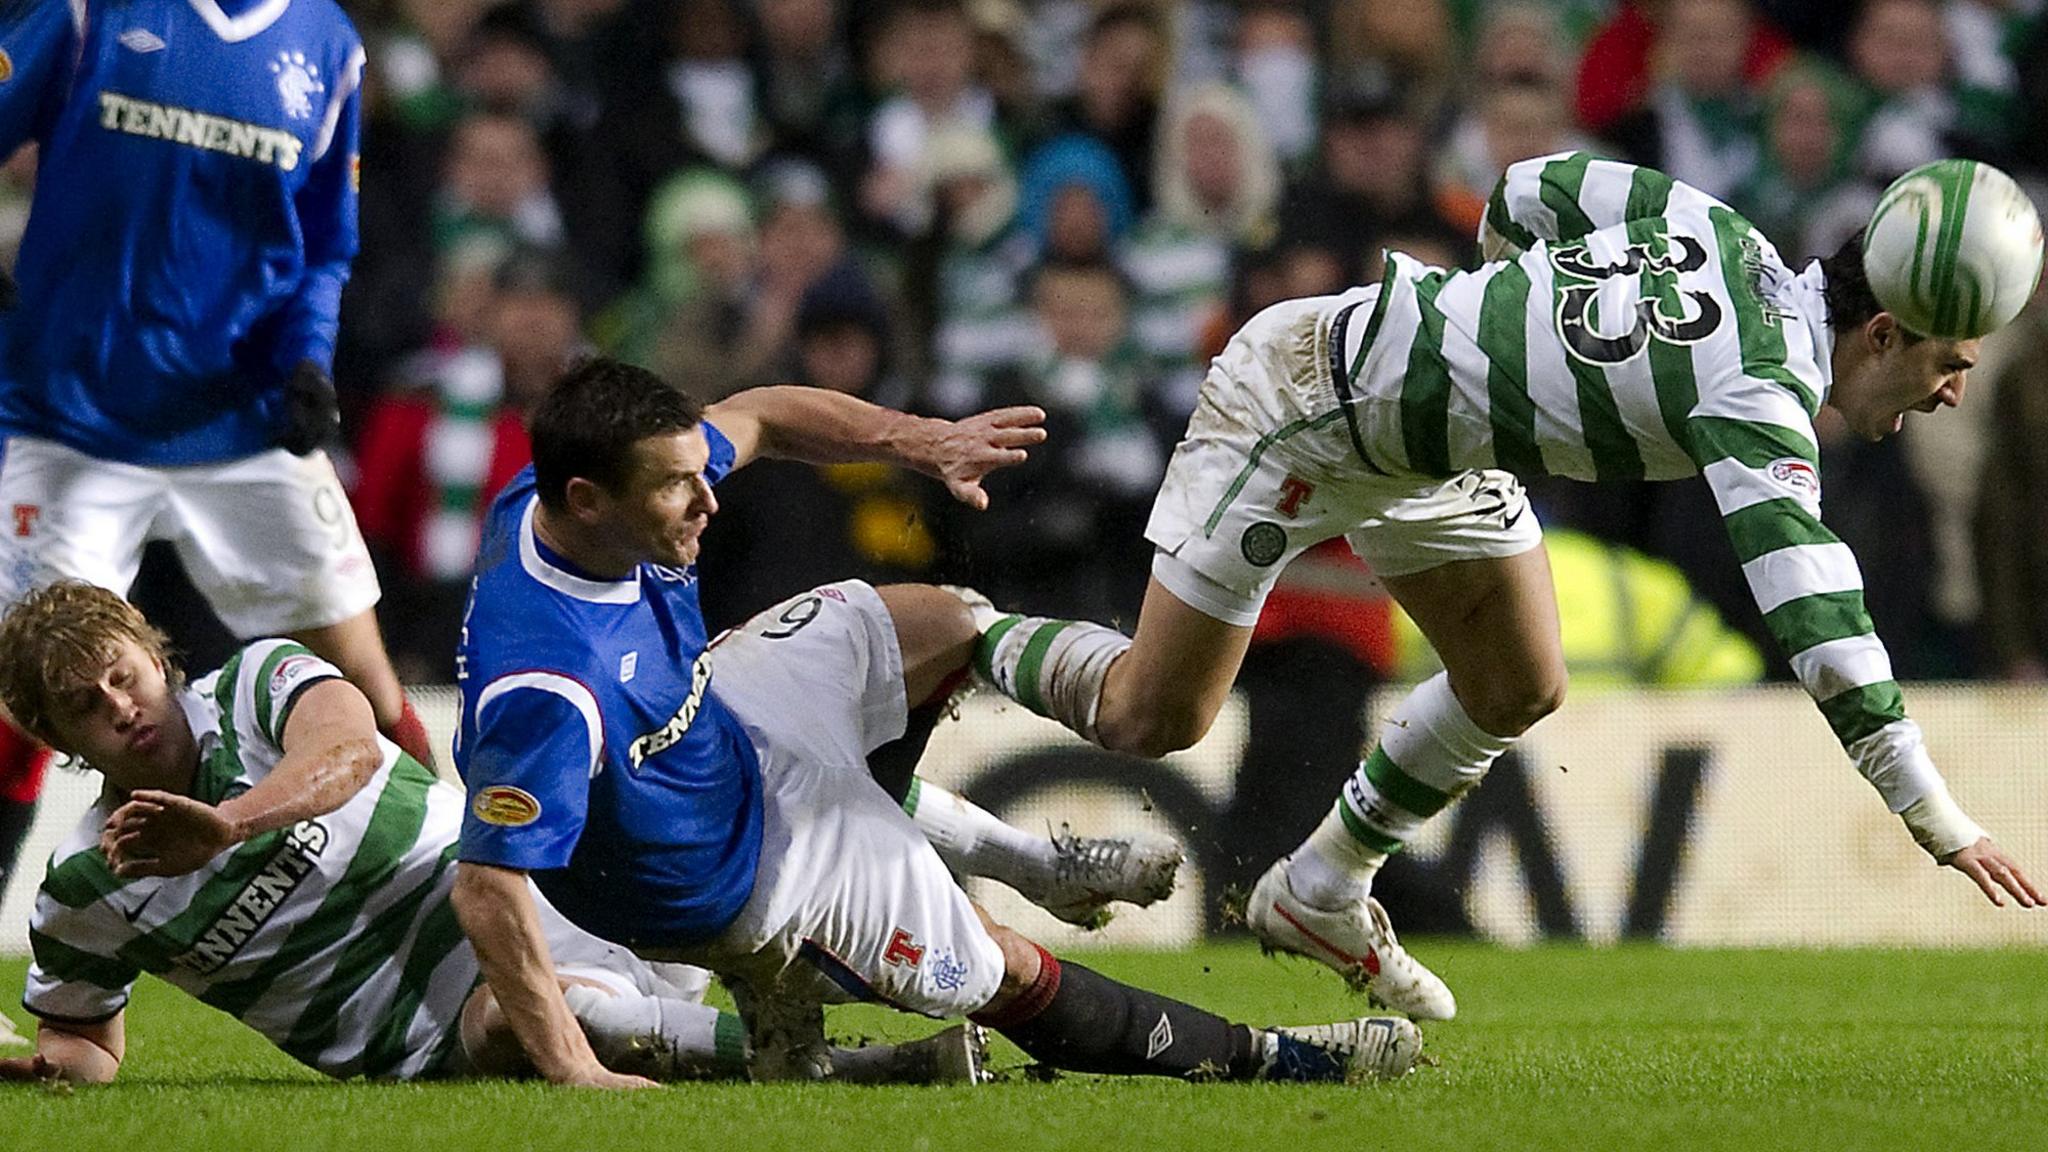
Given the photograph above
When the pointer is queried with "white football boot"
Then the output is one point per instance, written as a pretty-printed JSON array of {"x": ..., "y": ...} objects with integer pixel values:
[
  {"x": 1357, "y": 941},
  {"x": 1365, "y": 1049},
  {"x": 1092, "y": 872}
]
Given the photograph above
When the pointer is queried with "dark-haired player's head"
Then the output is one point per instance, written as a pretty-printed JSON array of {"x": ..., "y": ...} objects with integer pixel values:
[
  {"x": 1882, "y": 368},
  {"x": 619, "y": 458}
]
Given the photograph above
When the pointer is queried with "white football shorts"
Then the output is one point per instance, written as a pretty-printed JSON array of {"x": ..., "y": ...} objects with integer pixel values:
[
  {"x": 1267, "y": 470},
  {"x": 850, "y": 901},
  {"x": 269, "y": 539}
]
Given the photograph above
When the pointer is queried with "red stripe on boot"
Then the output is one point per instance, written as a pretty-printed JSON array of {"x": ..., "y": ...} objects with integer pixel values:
[{"x": 1034, "y": 1000}]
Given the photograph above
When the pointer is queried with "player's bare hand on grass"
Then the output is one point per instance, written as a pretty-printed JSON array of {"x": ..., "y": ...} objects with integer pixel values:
[
  {"x": 28, "y": 1069},
  {"x": 595, "y": 1075},
  {"x": 164, "y": 834},
  {"x": 964, "y": 451},
  {"x": 1987, "y": 864}
]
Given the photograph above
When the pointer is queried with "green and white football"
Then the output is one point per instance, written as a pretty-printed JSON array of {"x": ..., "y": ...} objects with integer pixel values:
[{"x": 1953, "y": 250}]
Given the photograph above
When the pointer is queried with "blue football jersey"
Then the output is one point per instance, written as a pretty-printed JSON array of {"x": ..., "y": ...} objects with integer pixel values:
[
  {"x": 597, "y": 754},
  {"x": 193, "y": 220}
]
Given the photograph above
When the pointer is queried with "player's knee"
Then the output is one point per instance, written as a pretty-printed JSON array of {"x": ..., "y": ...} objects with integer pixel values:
[
  {"x": 1154, "y": 736},
  {"x": 1510, "y": 706},
  {"x": 933, "y": 626},
  {"x": 1150, "y": 720},
  {"x": 1021, "y": 963}
]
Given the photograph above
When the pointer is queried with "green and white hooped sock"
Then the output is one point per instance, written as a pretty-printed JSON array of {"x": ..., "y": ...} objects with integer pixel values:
[
  {"x": 973, "y": 841},
  {"x": 1430, "y": 753},
  {"x": 1055, "y": 668},
  {"x": 698, "y": 1037}
]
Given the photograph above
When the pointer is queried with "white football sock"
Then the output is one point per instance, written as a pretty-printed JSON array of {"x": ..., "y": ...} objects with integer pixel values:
[
  {"x": 971, "y": 840},
  {"x": 692, "y": 1037},
  {"x": 1430, "y": 753}
]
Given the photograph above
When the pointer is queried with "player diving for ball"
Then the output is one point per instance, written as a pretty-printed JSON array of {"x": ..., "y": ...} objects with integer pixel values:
[
  {"x": 261, "y": 847},
  {"x": 1625, "y": 327}
]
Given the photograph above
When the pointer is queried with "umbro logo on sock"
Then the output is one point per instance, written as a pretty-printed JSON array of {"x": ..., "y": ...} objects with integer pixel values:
[{"x": 1162, "y": 1038}]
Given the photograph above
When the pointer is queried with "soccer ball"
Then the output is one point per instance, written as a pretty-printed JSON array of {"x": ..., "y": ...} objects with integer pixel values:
[{"x": 1953, "y": 250}]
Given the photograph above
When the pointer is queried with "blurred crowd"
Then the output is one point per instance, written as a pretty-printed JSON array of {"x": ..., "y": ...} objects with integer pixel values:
[{"x": 944, "y": 205}]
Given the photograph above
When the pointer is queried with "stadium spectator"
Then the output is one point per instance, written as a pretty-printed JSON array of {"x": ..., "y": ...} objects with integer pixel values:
[
  {"x": 1072, "y": 200},
  {"x": 415, "y": 55},
  {"x": 430, "y": 460},
  {"x": 1515, "y": 120},
  {"x": 1117, "y": 94},
  {"x": 1617, "y": 68},
  {"x": 497, "y": 181},
  {"x": 1218, "y": 183},
  {"x": 2010, "y": 521},
  {"x": 1699, "y": 120},
  {"x": 1067, "y": 526},
  {"x": 1275, "y": 62},
  {"x": 1409, "y": 44},
  {"x": 1802, "y": 191},
  {"x": 1373, "y": 178},
  {"x": 809, "y": 94},
  {"x": 975, "y": 309},
  {"x": 1899, "y": 48},
  {"x": 689, "y": 314},
  {"x": 925, "y": 49}
]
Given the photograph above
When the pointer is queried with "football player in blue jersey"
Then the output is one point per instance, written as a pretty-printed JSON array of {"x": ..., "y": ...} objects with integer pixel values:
[
  {"x": 164, "y": 367},
  {"x": 711, "y": 802}
]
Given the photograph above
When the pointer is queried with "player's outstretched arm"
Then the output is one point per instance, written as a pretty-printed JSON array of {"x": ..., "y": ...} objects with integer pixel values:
[
  {"x": 79, "y": 1053},
  {"x": 330, "y": 754},
  {"x": 820, "y": 426},
  {"x": 498, "y": 913}
]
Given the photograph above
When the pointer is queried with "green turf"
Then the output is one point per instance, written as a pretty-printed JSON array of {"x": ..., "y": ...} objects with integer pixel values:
[{"x": 1554, "y": 1048}]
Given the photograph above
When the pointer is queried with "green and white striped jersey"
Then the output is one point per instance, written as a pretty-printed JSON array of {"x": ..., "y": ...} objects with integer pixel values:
[
  {"x": 1637, "y": 329},
  {"x": 334, "y": 938}
]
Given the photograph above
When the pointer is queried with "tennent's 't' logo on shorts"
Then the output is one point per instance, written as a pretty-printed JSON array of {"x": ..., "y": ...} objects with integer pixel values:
[{"x": 505, "y": 806}]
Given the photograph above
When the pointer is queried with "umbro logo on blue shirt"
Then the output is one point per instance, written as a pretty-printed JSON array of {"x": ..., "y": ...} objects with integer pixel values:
[{"x": 141, "y": 40}]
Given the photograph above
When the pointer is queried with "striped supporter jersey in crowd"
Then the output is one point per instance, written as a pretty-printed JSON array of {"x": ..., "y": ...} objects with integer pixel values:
[
  {"x": 1634, "y": 328},
  {"x": 334, "y": 938}
]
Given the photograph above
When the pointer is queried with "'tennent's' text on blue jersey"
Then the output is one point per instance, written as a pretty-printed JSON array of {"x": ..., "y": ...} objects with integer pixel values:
[
  {"x": 596, "y": 752},
  {"x": 193, "y": 220}
]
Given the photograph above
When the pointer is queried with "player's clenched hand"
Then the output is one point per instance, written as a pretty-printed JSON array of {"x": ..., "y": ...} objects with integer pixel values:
[
  {"x": 964, "y": 451},
  {"x": 164, "y": 834},
  {"x": 595, "y": 1075},
  {"x": 1987, "y": 864}
]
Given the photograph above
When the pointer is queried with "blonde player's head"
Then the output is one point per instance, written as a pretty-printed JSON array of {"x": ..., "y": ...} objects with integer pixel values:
[{"x": 84, "y": 672}]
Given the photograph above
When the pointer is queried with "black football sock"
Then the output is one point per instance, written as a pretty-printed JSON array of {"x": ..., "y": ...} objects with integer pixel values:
[{"x": 1079, "y": 1020}]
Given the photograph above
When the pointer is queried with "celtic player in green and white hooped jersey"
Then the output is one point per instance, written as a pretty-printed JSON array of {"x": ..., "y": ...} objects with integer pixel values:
[
  {"x": 1625, "y": 327},
  {"x": 333, "y": 937}
]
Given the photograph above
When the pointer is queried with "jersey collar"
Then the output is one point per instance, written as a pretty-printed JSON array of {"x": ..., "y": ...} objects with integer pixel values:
[
  {"x": 235, "y": 29},
  {"x": 533, "y": 557},
  {"x": 1805, "y": 293}
]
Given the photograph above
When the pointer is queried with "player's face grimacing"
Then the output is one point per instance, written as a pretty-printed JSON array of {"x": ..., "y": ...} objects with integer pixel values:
[
  {"x": 667, "y": 502},
  {"x": 126, "y": 723},
  {"x": 1901, "y": 376}
]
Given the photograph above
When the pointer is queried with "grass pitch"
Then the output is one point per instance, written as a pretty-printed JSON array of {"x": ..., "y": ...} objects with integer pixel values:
[{"x": 1566, "y": 1048}]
